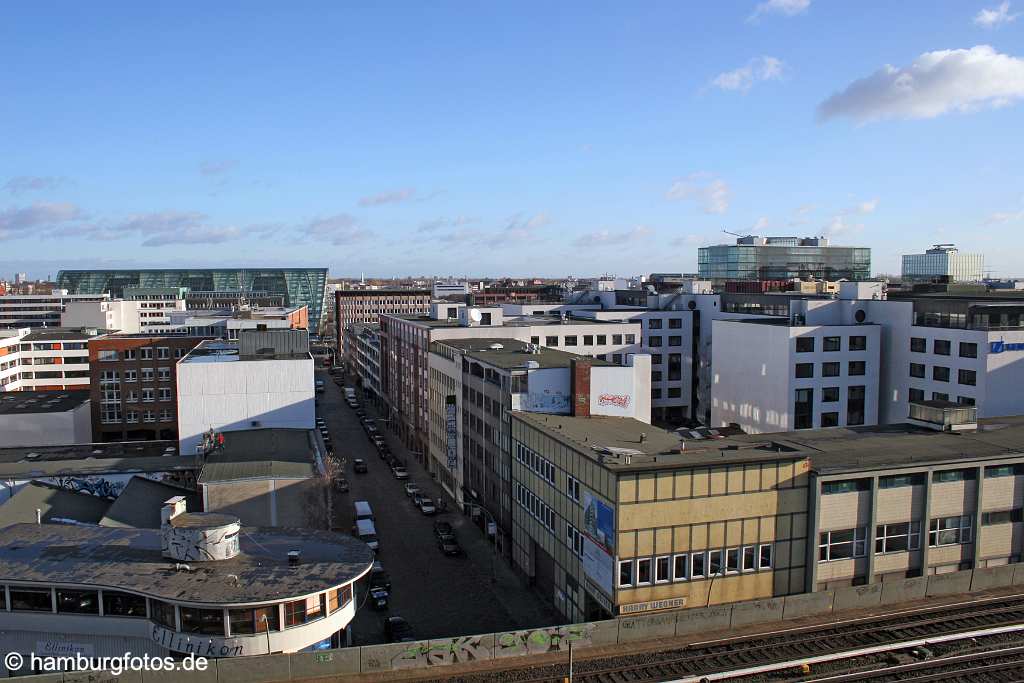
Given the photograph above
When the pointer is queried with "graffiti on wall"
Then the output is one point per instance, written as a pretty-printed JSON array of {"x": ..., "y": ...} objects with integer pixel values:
[
  {"x": 617, "y": 400},
  {"x": 450, "y": 651},
  {"x": 547, "y": 401},
  {"x": 510, "y": 644}
]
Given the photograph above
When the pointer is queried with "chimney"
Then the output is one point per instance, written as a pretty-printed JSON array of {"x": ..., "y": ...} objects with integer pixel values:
[
  {"x": 171, "y": 509},
  {"x": 293, "y": 558},
  {"x": 579, "y": 371}
]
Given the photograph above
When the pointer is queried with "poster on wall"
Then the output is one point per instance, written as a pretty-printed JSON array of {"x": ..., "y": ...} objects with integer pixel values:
[
  {"x": 599, "y": 522},
  {"x": 597, "y": 565},
  {"x": 546, "y": 392},
  {"x": 451, "y": 432}
]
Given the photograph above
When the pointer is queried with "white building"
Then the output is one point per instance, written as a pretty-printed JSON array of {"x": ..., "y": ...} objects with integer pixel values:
[
  {"x": 40, "y": 310},
  {"x": 264, "y": 380},
  {"x": 45, "y": 359},
  {"x": 944, "y": 260},
  {"x": 141, "y": 311},
  {"x": 48, "y": 418},
  {"x": 443, "y": 289}
]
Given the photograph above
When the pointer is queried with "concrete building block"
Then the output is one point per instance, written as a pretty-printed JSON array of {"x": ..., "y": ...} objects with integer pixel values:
[
  {"x": 906, "y": 590},
  {"x": 703, "y": 620},
  {"x": 103, "y": 677},
  {"x": 807, "y": 604},
  {"x": 1018, "y": 573},
  {"x": 208, "y": 676},
  {"x": 393, "y": 656},
  {"x": 992, "y": 577},
  {"x": 949, "y": 584},
  {"x": 324, "y": 663},
  {"x": 857, "y": 597},
  {"x": 262, "y": 669},
  {"x": 647, "y": 627},
  {"x": 603, "y": 633},
  {"x": 757, "y": 612}
]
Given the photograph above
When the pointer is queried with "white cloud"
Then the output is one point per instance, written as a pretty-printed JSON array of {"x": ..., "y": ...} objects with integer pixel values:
[
  {"x": 198, "y": 234},
  {"x": 212, "y": 168},
  {"x": 788, "y": 8},
  {"x": 690, "y": 241},
  {"x": 840, "y": 224},
  {"x": 438, "y": 223},
  {"x": 339, "y": 229},
  {"x": 867, "y": 207},
  {"x": 742, "y": 79},
  {"x": 934, "y": 84},
  {"x": 760, "y": 224},
  {"x": 520, "y": 228},
  {"x": 37, "y": 218},
  {"x": 25, "y": 183},
  {"x": 1000, "y": 217},
  {"x": 710, "y": 192},
  {"x": 995, "y": 17},
  {"x": 602, "y": 238},
  {"x": 389, "y": 197}
]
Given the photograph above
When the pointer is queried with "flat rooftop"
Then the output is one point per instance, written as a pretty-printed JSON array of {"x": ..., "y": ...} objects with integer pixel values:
[
  {"x": 65, "y": 334},
  {"x": 27, "y": 462},
  {"x": 52, "y": 502},
  {"x": 28, "y": 402},
  {"x": 262, "y": 454},
  {"x": 511, "y": 353},
  {"x": 131, "y": 559},
  {"x": 508, "y": 321},
  {"x": 216, "y": 351}
]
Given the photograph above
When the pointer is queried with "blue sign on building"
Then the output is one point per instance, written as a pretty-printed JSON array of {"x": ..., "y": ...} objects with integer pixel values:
[{"x": 1000, "y": 346}]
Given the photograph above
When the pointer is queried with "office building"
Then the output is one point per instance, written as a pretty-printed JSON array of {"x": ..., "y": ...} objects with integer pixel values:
[
  {"x": 450, "y": 289},
  {"x": 44, "y": 418},
  {"x": 45, "y": 359},
  {"x": 143, "y": 310},
  {"x": 40, "y": 310},
  {"x": 943, "y": 262},
  {"x": 474, "y": 383},
  {"x": 227, "y": 323},
  {"x": 102, "y": 591},
  {"x": 132, "y": 382},
  {"x": 296, "y": 286},
  {"x": 264, "y": 380},
  {"x": 783, "y": 258},
  {"x": 363, "y": 342},
  {"x": 367, "y": 305}
]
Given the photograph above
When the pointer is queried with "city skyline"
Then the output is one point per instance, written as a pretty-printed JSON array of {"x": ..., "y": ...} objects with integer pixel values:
[{"x": 533, "y": 141}]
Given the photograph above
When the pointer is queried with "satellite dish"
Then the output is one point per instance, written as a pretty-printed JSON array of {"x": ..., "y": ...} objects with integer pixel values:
[{"x": 475, "y": 315}]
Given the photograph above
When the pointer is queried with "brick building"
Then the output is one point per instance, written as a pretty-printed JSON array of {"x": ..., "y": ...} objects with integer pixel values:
[{"x": 366, "y": 305}]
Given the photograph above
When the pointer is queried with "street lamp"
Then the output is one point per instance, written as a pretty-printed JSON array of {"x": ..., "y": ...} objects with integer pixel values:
[{"x": 266, "y": 626}]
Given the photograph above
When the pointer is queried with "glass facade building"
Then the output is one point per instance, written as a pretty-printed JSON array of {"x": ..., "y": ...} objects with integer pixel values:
[
  {"x": 783, "y": 258},
  {"x": 299, "y": 286},
  {"x": 944, "y": 261}
]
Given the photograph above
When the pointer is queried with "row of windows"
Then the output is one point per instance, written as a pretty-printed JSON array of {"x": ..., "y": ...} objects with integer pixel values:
[
  {"x": 705, "y": 564},
  {"x": 943, "y": 347},
  {"x": 656, "y": 341},
  {"x": 918, "y": 395},
  {"x": 143, "y": 353},
  {"x": 844, "y": 544},
  {"x": 542, "y": 467},
  {"x": 112, "y": 414},
  {"x": 854, "y": 343},
  {"x": 535, "y": 506},
  {"x": 588, "y": 340},
  {"x": 673, "y": 323},
  {"x": 148, "y": 374},
  {"x": 942, "y": 374},
  {"x": 900, "y": 480},
  {"x": 192, "y": 620},
  {"x": 854, "y": 368}
]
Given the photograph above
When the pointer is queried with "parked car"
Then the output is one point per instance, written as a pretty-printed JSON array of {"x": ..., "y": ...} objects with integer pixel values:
[
  {"x": 379, "y": 598},
  {"x": 417, "y": 499},
  {"x": 400, "y": 472},
  {"x": 397, "y": 630},
  {"x": 341, "y": 485},
  {"x": 443, "y": 528},
  {"x": 320, "y": 422},
  {"x": 449, "y": 546},
  {"x": 378, "y": 440},
  {"x": 427, "y": 507},
  {"x": 371, "y": 429},
  {"x": 379, "y": 578},
  {"x": 359, "y": 466},
  {"x": 412, "y": 488},
  {"x": 385, "y": 451}
]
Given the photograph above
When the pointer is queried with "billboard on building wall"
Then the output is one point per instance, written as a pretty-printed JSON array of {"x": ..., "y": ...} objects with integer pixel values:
[
  {"x": 548, "y": 392},
  {"x": 597, "y": 565},
  {"x": 451, "y": 429},
  {"x": 599, "y": 522}
]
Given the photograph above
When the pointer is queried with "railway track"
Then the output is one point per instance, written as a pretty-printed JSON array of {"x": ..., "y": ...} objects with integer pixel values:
[
  {"x": 989, "y": 664},
  {"x": 779, "y": 647}
]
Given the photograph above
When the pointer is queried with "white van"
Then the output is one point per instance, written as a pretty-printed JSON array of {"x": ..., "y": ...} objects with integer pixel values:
[
  {"x": 366, "y": 533},
  {"x": 363, "y": 510}
]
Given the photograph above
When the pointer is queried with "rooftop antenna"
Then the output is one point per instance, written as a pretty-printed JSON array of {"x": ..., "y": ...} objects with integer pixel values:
[{"x": 734, "y": 234}]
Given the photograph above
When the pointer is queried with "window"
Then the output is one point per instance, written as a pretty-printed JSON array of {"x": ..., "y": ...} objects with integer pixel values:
[
  {"x": 749, "y": 558},
  {"x": 656, "y": 359},
  {"x": 842, "y": 544},
  {"x": 830, "y": 394},
  {"x": 965, "y": 400},
  {"x": 846, "y": 486},
  {"x": 804, "y": 370},
  {"x": 830, "y": 344},
  {"x": 803, "y": 409},
  {"x": 118, "y": 604},
  {"x": 675, "y": 341},
  {"x": 900, "y": 480},
  {"x": 303, "y": 611},
  {"x": 680, "y": 563},
  {"x": 654, "y": 324},
  {"x": 107, "y": 355},
  {"x": 338, "y": 598},
  {"x": 131, "y": 417},
  {"x": 163, "y": 353},
  {"x": 253, "y": 620},
  {"x": 631, "y": 339},
  {"x": 31, "y": 599},
  {"x": 180, "y": 353},
  {"x": 148, "y": 416},
  {"x": 162, "y": 613},
  {"x": 856, "y": 368},
  {"x": 968, "y": 350},
  {"x": 625, "y": 573},
  {"x": 109, "y": 377},
  {"x": 946, "y": 476},
  {"x": 617, "y": 358},
  {"x": 675, "y": 392},
  {"x": 602, "y": 339},
  {"x": 146, "y": 353},
  {"x": 830, "y": 419},
  {"x": 165, "y": 393},
  {"x": 1001, "y": 471},
  {"x": 616, "y": 339},
  {"x": 915, "y": 394},
  {"x": 940, "y": 347},
  {"x": 572, "y": 488},
  {"x": 655, "y": 375},
  {"x": 570, "y": 340},
  {"x": 732, "y": 560},
  {"x": 830, "y": 369},
  {"x": 208, "y": 622},
  {"x": 535, "y": 340},
  {"x": 662, "y": 569},
  {"x": 855, "y": 405},
  {"x": 1001, "y": 517},
  {"x": 858, "y": 343},
  {"x": 715, "y": 564},
  {"x": 588, "y": 340},
  {"x": 940, "y": 374},
  {"x": 131, "y": 376},
  {"x": 893, "y": 538},
  {"x": 655, "y": 393},
  {"x": 167, "y": 415},
  {"x": 804, "y": 344},
  {"x": 130, "y": 354},
  {"x": 643, "y": 571},
  {"x": 949, "y": 531},
  {"x": 147, "y": 374},
  {"x": 968, "y": 377},
  {"x": 574, "y": 539},
  {"x": 551, "y": 341},
  {"x": 654, "y": 341},
  {"x": 77, "y": 601},
  {"x": 918, "y": 345},
  {"x": 765, "y": 556},
  {"x": 675, "y": 323},
  {"x": 148, "y": 395},
  {"x": 163, "y": 374},
  {"x": 939, "y": 396},
  {"x": 698, "y": 565}
]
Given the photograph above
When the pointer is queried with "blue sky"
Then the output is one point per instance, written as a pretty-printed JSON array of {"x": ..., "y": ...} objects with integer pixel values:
[{"x": 504, "y": 138}]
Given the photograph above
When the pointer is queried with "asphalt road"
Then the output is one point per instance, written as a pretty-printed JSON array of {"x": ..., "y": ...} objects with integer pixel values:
[{"x": 438, "y": 595}]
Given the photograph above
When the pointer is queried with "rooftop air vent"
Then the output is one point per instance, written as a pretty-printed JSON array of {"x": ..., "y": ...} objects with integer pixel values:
[
  {"x": 293, "y": 558},
  {"x": 31, "y": 456},
  {"x": 496, "y": 346}
]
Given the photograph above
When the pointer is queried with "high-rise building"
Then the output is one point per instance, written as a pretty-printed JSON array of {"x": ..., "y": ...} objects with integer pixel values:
[
  {"x": 41, "y": 310},
  {"x": 944, "y": 261},
  {"x": 366, "y": 306},
  {"x": 783, "y": 258},
  {"x": 298, "y": 286}
]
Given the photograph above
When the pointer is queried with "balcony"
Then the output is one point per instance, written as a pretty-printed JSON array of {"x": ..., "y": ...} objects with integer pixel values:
[{"x": 944, "y": 416}]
